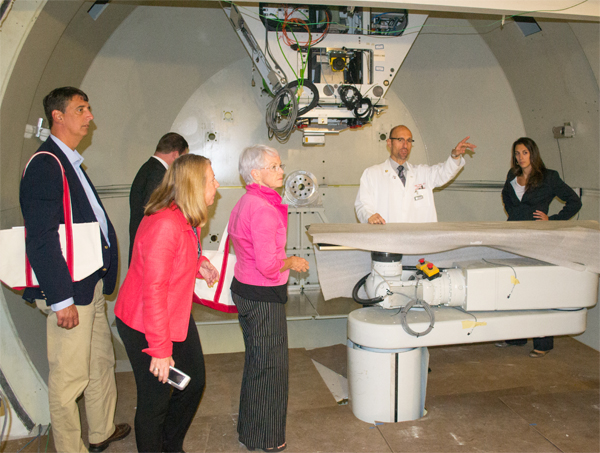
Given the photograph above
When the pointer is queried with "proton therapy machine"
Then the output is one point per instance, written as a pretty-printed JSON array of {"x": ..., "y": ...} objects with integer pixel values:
[{"x": 467, "y": 285}]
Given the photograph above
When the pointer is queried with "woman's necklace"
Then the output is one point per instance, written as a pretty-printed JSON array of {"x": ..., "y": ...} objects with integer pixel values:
[{"x": 198, "y": 240}]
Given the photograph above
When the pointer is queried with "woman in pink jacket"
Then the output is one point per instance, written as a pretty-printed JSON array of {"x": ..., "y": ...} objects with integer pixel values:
[
  {"x": 257, "y": 228},
  {"x": 154, "y": 305}
]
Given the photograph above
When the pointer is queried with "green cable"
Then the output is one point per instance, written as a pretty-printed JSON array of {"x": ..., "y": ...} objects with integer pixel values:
[
  {"x": 48, "y": 439},
  {"x": 283, "y": 53}
]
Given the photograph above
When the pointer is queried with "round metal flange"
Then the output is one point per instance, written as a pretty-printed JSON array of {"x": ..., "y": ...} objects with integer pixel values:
[{"x": 301, "y": 188}]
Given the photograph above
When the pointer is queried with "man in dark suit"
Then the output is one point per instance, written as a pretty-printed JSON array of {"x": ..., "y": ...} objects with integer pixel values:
[
  {"x": 149, "y": 176},
  {"x": 80, "y": 351}
]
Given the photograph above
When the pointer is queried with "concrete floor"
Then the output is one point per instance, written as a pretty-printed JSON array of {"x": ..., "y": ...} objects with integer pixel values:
[{"x": 479, "y": 398}]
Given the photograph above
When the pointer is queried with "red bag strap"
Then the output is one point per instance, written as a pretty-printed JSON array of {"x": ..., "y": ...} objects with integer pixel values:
[
  {"x": 214, "y": 304},
  {"x": 68, "y": 222},
  {"x": 223, "y": 270}
]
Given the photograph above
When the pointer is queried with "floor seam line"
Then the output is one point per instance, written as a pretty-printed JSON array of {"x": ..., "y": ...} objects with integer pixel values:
[
  {"x": 531, "y": 426},
  {"x": 384, "y": 439}
]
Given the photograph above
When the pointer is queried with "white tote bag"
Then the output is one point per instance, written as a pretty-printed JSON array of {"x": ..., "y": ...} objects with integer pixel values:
[
  {"x": 219, "y": 296},
  {"x": 81, "y": 246}
]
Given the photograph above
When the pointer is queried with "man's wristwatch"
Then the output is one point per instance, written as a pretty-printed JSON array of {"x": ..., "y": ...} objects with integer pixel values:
[{"x": 454, "y": 156}]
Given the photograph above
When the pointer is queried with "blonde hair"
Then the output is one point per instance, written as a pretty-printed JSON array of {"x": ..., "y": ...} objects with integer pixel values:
[{"x": 183, "y": 185}]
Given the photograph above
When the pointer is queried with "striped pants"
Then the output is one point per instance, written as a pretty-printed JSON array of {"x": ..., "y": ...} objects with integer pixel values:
[{"x": 264, "y": 394}]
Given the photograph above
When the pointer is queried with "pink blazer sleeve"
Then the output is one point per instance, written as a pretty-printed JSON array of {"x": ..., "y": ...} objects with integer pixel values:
[{"x": 158, "y": 257}]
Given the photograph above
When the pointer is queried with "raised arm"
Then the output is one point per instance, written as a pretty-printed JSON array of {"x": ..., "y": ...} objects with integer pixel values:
[{"x": 462, "y": 146}]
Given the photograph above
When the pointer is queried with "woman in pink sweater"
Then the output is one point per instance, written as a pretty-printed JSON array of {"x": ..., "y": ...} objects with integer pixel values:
[
  {"x": 154, "y": 306},
  {"x": 257, "y": 228}
]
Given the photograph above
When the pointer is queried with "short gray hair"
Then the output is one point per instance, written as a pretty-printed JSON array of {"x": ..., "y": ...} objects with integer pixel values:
[{"x": 253, "y": 158}]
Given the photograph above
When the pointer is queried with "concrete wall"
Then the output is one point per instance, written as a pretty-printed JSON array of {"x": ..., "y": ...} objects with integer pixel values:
[{"x": 554, "y": 75}]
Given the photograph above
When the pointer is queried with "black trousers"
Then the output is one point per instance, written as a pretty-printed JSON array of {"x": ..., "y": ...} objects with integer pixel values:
[
  {"x": 539, "y": 344},
  {"x": 264, "y": 393},
  {"x": 164, "y": 414}
]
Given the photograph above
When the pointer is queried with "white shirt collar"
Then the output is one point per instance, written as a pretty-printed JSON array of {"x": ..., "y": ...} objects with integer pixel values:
[
  {"x": 166, "y": 165},
  {"x": 395, "y": 165},
  {"x": 74, "y": 157}
]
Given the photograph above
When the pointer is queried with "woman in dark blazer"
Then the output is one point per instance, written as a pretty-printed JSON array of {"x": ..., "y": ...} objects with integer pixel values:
[
  {"x": 529, "y": 189},
  {"x": 154, "y": 306}
]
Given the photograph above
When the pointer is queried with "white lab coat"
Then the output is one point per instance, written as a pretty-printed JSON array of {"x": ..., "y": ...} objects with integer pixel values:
[{"x": 382, "y": 192}]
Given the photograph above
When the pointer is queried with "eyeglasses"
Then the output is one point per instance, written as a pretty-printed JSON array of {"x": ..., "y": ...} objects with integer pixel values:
[
  {"x": 403, "y": 140},
  {"x": 275, "y": 168}
]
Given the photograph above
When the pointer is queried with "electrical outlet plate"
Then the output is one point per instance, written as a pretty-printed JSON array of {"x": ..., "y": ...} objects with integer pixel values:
[{"x": 566, "y": 131}]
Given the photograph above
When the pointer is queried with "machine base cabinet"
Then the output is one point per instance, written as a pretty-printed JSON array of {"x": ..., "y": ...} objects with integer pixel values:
[{"x": 387, "y": 385}]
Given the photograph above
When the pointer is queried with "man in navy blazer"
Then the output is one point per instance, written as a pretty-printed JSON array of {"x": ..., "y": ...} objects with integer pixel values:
[
  {"x": 80, "y": 351},
  {"x": 149, "y": 176}
]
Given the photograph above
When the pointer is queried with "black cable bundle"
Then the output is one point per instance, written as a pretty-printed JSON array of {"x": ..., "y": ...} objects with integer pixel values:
[
  {"x": 350, "y": 96},
  {"x": 311, "y": 86},
  {"x": 361, "y": 107}
]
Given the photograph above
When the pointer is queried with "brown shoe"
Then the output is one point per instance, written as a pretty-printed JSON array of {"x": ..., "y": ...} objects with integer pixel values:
[
  {"x": 121, "y": 432},
  {"x": 535, "y": 354}
]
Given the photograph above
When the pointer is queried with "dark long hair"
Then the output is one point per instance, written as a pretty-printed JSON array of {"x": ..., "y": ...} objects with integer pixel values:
[{"x": 538, "y": 169}]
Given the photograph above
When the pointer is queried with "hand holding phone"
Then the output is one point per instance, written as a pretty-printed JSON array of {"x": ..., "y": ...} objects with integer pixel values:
[
  {"x": 159, "y": 367},
  {"x": 178, "y": 378}
]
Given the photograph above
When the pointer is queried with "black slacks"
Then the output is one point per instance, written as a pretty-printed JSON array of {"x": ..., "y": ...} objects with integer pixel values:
[
  {"x": 264, "y": 393},
  {"x": 164, "y": 414},
  {"x": 539, "y": 344}
]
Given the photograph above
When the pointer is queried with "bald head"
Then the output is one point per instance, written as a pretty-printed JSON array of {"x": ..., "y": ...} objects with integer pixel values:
[
  {"x": 398, "y": 129},
  {"x": 400, "y": 144}
]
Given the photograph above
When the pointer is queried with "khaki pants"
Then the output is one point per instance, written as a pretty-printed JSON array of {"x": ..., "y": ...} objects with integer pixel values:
[{"x": 81, "y": 360}]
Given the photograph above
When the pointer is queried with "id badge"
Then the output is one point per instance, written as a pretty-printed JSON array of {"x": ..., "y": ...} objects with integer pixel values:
[{"x": 418, "y": 195}]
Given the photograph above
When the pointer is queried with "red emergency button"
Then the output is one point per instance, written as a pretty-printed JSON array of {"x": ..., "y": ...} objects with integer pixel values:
[
  {"x": 422, "y": 261},
  {"x": 430, "y": 266}
]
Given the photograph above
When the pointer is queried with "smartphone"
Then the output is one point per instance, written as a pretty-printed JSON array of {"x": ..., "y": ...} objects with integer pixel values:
[{"x": 177, "y": 378}]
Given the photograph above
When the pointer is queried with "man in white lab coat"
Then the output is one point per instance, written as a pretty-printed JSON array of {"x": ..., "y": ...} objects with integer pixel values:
[{"x": 396, "y": 191}]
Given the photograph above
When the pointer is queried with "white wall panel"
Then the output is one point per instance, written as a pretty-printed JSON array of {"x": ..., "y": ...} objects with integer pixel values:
[
  {"x": 588, "y": 35},
  {"x": 145, "y": 72},
  {"x": 553, "y": 82},
  {"x": 453, "y": 86}
]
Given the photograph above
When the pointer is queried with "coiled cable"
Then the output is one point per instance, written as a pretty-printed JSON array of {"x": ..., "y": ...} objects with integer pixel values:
[
  {"x": 284, "y": 103},
  {"x": 407, "y": 308},
  {"x": 350, "y": 96},
  {"x": 368, "y": 111},
  {"x": 311, "y": 86},
  {"x": 361, "y": 107},
  {"x": 413, "y": 303}
]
